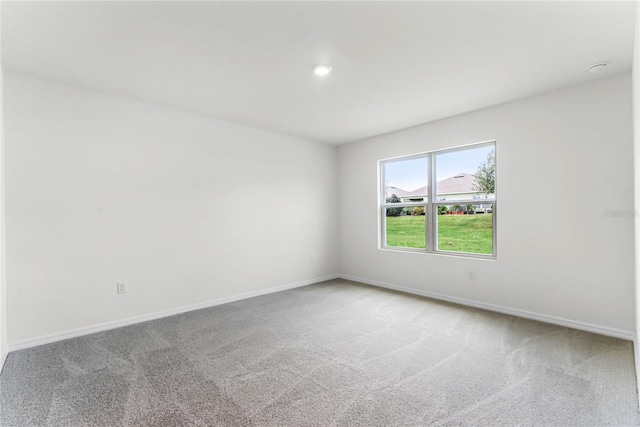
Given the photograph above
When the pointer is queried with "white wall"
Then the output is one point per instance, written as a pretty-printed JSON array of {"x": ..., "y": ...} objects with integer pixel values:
[
  {"x": 183, "y": 208},
  {"x": 187, "y": 209},
  {"x": 636, "y": 139},
  {"x": 4, "y": 348},
  {"x": 570, "y": 150}
]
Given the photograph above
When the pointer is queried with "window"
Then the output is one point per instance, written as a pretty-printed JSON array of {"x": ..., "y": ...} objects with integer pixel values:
[{"x": 441, "y": 202}]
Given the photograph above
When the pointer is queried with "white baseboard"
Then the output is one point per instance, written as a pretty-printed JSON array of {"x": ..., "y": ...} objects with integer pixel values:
[
  {"x": 636, "y": 359},
  {"x": 3, "y": 358},
  {"x": 602, "y": 330},
  {"x": 60, "y": 336}
]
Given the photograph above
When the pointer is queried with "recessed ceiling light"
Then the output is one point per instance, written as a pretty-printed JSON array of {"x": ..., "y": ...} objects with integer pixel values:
[
  {"x": 321, "y": 70},
  {"x": 597, "y": 68}
]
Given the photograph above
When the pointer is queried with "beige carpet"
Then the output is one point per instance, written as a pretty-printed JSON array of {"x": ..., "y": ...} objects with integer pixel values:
[{"x": 335, "y": 353}]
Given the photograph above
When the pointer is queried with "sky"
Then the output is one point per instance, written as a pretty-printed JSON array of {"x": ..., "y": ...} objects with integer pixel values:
[{"x": 410, "y": 175}]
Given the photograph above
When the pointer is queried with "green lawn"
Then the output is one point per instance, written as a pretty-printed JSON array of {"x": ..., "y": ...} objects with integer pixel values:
[{"x": 457, "y": 233}]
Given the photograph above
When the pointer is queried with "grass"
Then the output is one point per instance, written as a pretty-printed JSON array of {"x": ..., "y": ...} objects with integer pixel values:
[
  {"x": 456, "y": 233},
  {"x": 406, "y": 231}
]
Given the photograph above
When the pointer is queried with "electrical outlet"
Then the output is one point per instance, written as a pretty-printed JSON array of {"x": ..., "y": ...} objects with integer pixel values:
[
  {"x": 471, "y": 274},
  {"x": 121, "y": 287}
]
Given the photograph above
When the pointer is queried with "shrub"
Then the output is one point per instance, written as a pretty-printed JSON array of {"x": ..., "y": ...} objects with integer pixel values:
[
  {"x": 418, "y": 210},
  {"x": 442, "y": 210},
  {"x": 394, "y": 211}
]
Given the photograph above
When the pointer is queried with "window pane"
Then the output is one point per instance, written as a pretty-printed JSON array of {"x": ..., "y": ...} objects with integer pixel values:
[
  {"x": 466, "y": 228},
  {"x": 467, "y": 174},
  {"x": 405, "y": 227},
  {"x": 406, "y": 179}
]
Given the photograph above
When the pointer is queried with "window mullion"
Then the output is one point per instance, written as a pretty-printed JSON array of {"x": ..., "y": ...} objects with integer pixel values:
[{"x": 432, "y": 226}]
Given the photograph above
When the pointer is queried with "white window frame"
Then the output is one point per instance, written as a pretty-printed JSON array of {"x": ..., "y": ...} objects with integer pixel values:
[{"x": 431, "y": 204}]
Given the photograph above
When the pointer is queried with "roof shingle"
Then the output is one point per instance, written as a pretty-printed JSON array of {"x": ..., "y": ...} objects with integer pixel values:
[{"x": 458, "y": 184}]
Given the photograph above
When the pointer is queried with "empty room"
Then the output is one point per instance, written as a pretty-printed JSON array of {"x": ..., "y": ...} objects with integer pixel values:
[{"x": 319, "y": 213}]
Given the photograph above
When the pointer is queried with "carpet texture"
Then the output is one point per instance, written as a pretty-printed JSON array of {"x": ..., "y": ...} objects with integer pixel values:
[{"x": 331, "y": 354}]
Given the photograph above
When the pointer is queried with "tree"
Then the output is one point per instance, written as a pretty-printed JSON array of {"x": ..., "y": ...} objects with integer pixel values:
[
  {"x": 486, "y": 175},
  {"x": 393, "y": 211}
]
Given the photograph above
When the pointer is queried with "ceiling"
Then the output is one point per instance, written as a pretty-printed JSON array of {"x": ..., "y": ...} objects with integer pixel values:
[{"x": 395, "y": 64}]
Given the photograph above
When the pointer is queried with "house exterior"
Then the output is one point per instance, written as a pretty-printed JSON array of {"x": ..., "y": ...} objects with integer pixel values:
[
  {"x": 391, "y": 190},
  {"x": 458, "y": 187}
]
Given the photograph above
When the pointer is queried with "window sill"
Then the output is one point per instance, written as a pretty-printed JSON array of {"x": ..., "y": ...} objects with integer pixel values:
[{"x": 439, "y": 253}]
